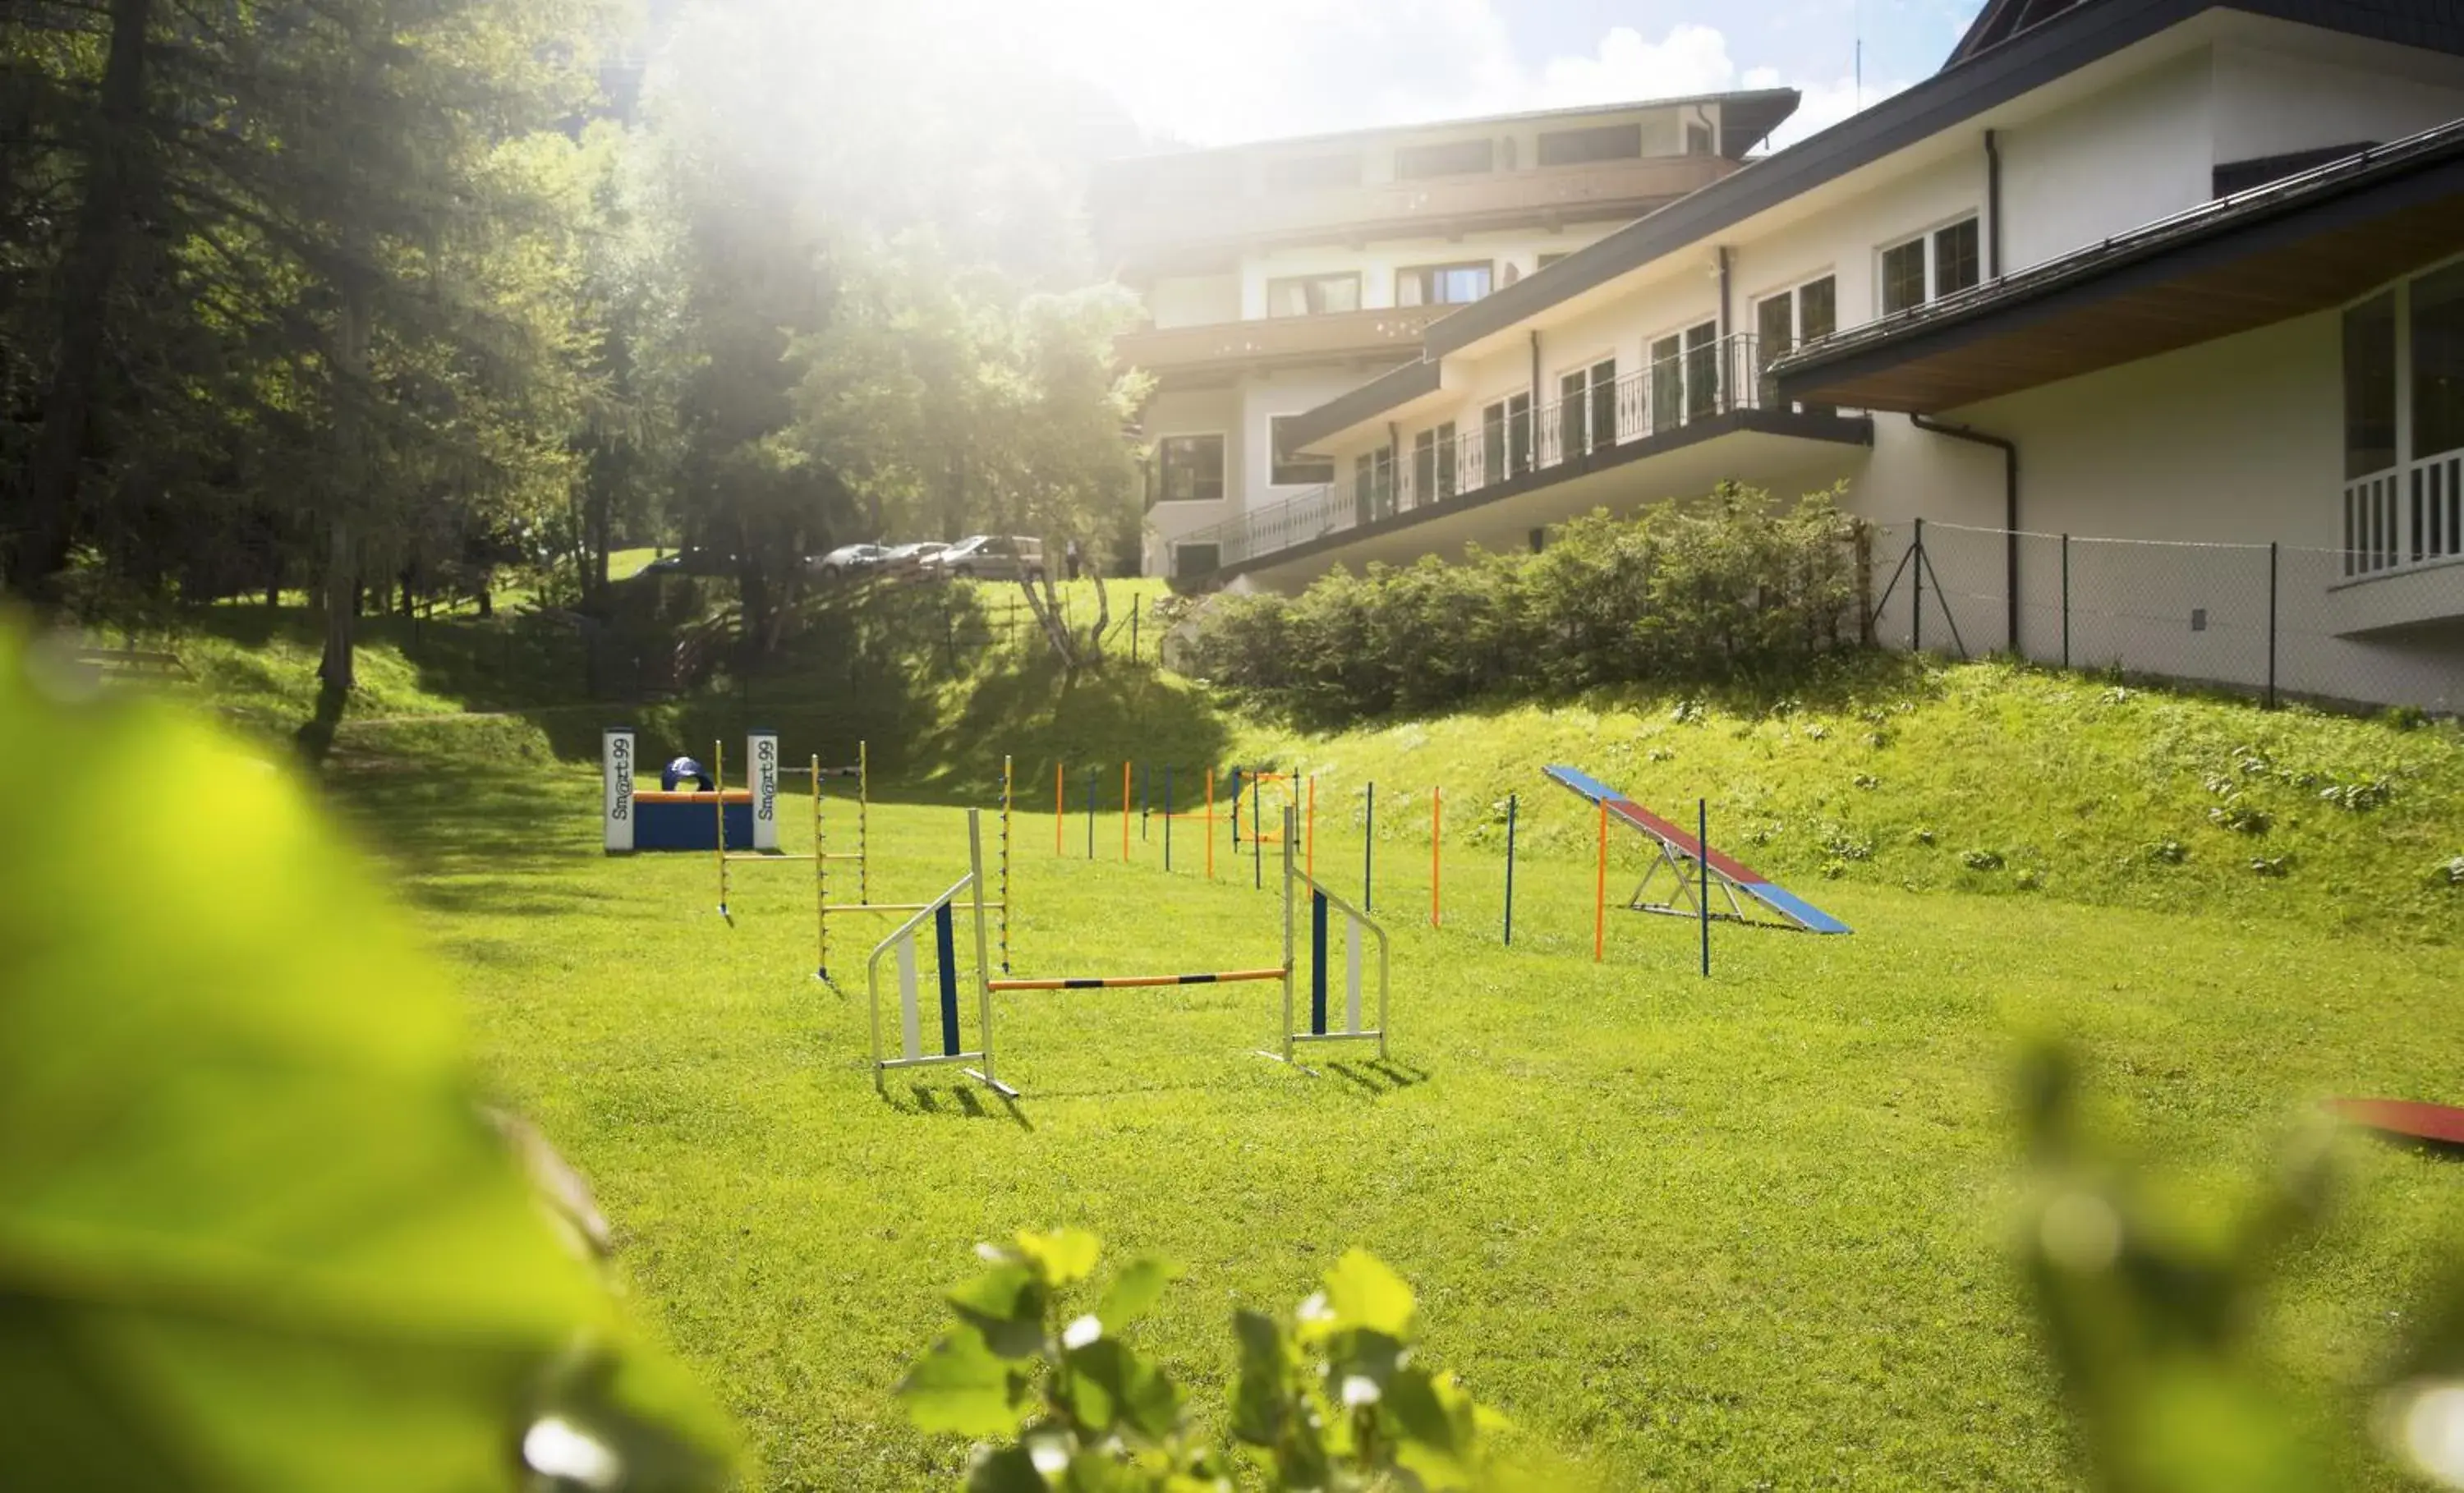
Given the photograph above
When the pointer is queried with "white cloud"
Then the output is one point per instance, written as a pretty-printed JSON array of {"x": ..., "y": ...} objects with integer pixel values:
[{"x": 1205, "y": 73}]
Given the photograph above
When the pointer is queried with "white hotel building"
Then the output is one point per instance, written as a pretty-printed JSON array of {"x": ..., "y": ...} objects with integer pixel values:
[{"x": 2123, "y": 271}]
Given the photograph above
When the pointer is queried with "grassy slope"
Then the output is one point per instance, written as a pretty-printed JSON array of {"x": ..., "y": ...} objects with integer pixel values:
[{"x": 1697, "y": 1234}]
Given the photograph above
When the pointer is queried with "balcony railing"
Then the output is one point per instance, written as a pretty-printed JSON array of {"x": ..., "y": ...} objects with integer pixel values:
[
  {"x": 2405, "y": 517},
  {"x": 1605, "y": 188},
  {"x": 1711, "y": 380},
  {"x": 1395, "y": 330}
]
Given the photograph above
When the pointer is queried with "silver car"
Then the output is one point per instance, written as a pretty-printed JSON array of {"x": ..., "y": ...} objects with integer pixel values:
[
  {"x": 847, "y": 559},
  {"x": 990, "y": 557}
]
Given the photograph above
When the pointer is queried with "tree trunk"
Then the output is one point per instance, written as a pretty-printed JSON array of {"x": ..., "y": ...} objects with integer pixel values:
[
  {"x": 1103, "y": 620},
  {"x": 91, "y": 272},
  {"x": 337, "y": 669}
]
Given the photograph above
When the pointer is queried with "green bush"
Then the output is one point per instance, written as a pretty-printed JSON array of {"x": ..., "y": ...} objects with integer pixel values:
[{"x": 1738, "y": 590}]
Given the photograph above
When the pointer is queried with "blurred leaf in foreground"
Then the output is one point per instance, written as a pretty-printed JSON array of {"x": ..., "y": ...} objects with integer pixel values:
[{"x": 254, "y": 1230}]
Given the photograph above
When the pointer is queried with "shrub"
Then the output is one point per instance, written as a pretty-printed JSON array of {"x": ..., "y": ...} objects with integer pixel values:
[{"x": 1737, "y": 590}]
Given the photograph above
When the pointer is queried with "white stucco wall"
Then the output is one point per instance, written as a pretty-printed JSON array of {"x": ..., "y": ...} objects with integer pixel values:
[
  {"x": 1379, "y": 261},
  {"x": 1196, "y": 413},
  {"x": 2129, "y": 154},
  {"x": 1194, "y": 300},
  {"x": 2270, "y": 102}
]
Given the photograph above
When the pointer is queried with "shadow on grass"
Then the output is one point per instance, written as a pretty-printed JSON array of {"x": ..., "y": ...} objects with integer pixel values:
[
  {"x": 466, "y": 839},
  {"x": 1379, "y": 1077},
  {"x": 962, "y": 1103}
]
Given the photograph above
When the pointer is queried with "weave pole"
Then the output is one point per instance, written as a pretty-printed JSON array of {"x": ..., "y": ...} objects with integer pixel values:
[
  {"x": 1436, "y": 859},
  {"x": 719, "y": 817},
  {"x": 821, "y": 885},
  {"x": 1510, "y": 869},
  {"x": 1702, "y": 872},
  {"x": 1059, "y": 818},
  {"x": 1369, "y": 854},
  {"x": 863, "y": 823},
  {"x": 1007, "y": 789},
  {"x": 1257, "y": 830},
  {"x": 1125, "y": 813},
  {"x": 1210, "y": 824},
  {"x": 820, "y": 882},
  {"x": 1600, "y": 895},
  {"x": 1167, "y": 816},
  {"x": 1091, "y": 813}
]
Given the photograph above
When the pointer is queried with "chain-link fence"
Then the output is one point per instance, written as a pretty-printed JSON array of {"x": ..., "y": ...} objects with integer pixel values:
[{"x": 2266, "y": 619}]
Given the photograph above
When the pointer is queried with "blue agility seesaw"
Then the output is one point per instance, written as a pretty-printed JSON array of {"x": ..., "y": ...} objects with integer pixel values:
[{"x": 1747, "y": 890}]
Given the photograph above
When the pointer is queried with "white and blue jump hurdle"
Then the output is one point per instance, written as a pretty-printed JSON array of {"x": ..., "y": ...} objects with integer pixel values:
[
  {"x": 1326, "y": 1021},
  {"x": 942, "y": 913}
]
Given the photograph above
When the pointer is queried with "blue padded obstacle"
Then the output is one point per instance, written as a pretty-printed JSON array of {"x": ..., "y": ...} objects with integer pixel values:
[{"x": 1677, "y": 846}]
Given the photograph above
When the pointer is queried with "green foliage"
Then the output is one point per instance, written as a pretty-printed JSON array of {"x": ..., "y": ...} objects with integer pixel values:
[
  {"x": 1334, "y": 1397},
  {"x": 1734, "y": 590},
  {"x": 2155, "y": 1320},
  {"x": 255, "y": 1230}
]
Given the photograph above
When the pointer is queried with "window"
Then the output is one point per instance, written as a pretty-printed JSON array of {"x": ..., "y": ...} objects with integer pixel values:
[
  {"x": 1506, "y": 437},
  {"x": 1451, "y": 157},
  {"x": 1941, "y": 263},
  {"x": 1290, "y": 469},
  {"x": 1433, "y": 465},
  {"x": 1372, "y": 485},
  {"x": 1313, "y": 174},
  {"x": 1193, "y": 469},
  {"x": 1685, "y": 375},
  {"x": 2369, "y": 386},
  {"x": 1587, "y": 409},
  {"x": 1441, "y": 284},
  {"x": 1791, "y": 318},
  {"x": 1192, "y": 560},
  {"x": 1314, "y": 294},
  {"x": 1601, "y": 142},
  {"x": 2437, "y": 325}
]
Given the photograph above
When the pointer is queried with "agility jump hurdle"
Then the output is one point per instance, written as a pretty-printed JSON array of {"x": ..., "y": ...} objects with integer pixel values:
[
  {"x": 900, "y": 946},
  {"x": 825, "y": 909},
  {"x": 763, "y": 770},
  {"x": 1323, "y": 904}
]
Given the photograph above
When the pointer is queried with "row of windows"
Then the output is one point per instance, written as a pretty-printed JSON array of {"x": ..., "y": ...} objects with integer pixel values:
[
  {"x": 2404, "y": 373},
  {"x": 1687, "y": 371},
  {"x": 1632, "y": 141},
  {"x": 1456, "y": 284}
]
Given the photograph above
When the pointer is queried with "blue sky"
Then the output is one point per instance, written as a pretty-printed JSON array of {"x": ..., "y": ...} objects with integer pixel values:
[{"x": 1208, "y": 72}]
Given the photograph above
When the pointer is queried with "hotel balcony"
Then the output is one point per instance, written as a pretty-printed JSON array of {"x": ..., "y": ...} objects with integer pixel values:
[
  {"x": 2404, "y": 548},
  {"x": 1675, "y": 429},
  {"x": 1177, "y": 231},
  {"x": 1195, "y": 356}
]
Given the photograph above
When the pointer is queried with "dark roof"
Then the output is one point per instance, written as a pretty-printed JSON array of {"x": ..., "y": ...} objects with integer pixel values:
[
  {"x": 2292, "y": 246},
  {"x": 2001, "y": 20},
  {"x": 2027, "y": 61},
  {"x": 1392, "y": 387}
]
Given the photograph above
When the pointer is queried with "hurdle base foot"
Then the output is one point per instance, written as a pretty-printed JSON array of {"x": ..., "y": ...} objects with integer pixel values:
[
  {"x": 991, "y": 1082},
  {"x": 1294, "y": 1063}
]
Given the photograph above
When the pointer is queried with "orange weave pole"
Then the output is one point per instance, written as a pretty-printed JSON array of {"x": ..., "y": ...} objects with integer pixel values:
[
  {"x": 1600, "y": 896},
  {"x": 1309, "y": 839},
  {"x": 1437, "y": 841},
  {"x": 1057, "y": 819},
  {"x": 1210, "y": 824},
  {"x": 1139, "y": 981}
]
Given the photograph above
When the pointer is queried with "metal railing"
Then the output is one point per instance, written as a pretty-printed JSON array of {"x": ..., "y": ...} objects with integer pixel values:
[{"x": 1513, "y": 440}]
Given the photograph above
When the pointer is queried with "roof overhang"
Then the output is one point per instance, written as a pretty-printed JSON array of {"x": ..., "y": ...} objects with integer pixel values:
[
  {"x": 2295, "y": 247},
  {"x": 1382, "y": 395}
]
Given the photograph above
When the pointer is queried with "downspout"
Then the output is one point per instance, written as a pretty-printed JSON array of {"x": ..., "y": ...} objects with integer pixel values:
[
  {"x": 1992, "y": 206},
  {"x": 2010, "y": 451},
  {"x": 1724, "y": 328},
  {"x": 1535, "y": 371},
  {"x": 1394, "y": 465}
]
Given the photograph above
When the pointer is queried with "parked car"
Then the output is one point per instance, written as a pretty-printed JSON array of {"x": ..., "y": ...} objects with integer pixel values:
[
  {"x": 908, "y": 559},
  {"x": 990, "y": 557},
  {"x": 691, "y": 562},
  {"x": 847, "y": 559}
]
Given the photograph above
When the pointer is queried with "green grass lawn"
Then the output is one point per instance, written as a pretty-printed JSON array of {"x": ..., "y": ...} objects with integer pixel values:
[{"x": 1740, "y": 1232}]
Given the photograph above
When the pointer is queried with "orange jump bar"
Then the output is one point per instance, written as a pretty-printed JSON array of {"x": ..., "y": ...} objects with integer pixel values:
[{"x": 1131, "y": 982}]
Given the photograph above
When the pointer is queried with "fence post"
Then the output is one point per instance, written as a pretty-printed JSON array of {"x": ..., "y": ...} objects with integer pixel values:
[
  {"x": 1916, "y": 573},
  {"x": 2271, "y": 624},
  {"x": 1133, "y": 635},
  {"x": 2066, "y": 602}
]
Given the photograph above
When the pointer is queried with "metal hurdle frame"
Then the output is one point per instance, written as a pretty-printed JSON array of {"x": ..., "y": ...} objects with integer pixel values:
[
  {"x": 1321, "y": 902},
  {"x": 941, "y": 911}
]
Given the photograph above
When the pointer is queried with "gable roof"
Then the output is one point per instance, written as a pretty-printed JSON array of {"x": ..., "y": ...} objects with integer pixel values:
[{"x": 2001, "y": 20}]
